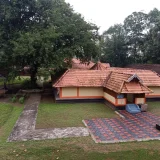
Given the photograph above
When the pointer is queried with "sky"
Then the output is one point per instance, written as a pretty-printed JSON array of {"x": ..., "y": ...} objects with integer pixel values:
[{"x": 105, "y": 13}]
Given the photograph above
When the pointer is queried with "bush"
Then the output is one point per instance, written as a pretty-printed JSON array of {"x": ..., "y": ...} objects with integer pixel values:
[
  {"x": 27, "y": 84},
  {"x": 21, "y": 100},
  {"x": 14, "y": 99}
]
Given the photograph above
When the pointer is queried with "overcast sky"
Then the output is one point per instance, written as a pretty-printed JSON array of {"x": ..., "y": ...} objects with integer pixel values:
[{"x": 106, "y": 13}]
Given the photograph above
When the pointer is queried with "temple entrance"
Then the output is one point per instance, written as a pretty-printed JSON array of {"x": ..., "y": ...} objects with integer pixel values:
[{"x": 130, "y": 98}]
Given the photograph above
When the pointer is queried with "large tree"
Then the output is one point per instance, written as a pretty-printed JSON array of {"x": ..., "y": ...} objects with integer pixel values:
[
  {"x": 136, "y": 28},
  {"x": 152, "y": 41},
  {"x": 44, "y": 33},
  {"x": 114, "y": 49}
]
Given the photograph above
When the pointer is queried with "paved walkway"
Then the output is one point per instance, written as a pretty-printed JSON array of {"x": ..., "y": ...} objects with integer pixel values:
[
  {"x": 24, "y": 128},
  {"x": 135, "y": 127}
]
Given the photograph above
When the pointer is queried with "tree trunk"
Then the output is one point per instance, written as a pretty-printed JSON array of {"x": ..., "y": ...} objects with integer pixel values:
[{"x": 34, "y": 77}]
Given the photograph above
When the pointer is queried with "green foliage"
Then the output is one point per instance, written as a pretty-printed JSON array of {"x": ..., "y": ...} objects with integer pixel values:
[
  {"x": 45, "y": 73},
  {"x": 114, "y": 46},
  {"x": 27, "y": 84},
  {"x": 135, "y": 41},
  {"x": 43, "y": 34},
  {"x": 21, "y": 100},
  {"x": 14, "y": 99},
  {"x": 47, "y": 33}
]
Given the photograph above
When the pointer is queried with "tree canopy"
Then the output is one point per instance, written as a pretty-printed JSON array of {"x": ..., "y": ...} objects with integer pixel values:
[
  {"x": 43, "y": 33},
  {"x": 138, "y": 41},
  {"x": 48, "y": 33}
]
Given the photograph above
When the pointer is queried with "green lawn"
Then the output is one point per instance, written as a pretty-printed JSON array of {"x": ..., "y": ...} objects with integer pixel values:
[
  {"x": 83, "y": 148},
  {"x": 154, "y": 107},
  {"x": 79, "y": 149},
  {"x": 8, "y": 117},
  {"x": 70, "y": 115}
]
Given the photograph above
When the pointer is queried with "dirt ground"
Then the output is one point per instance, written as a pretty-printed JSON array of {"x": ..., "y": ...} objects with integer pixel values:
[
  {"x": 7, "y": 99},
  {"x": 47, "y": 98}
]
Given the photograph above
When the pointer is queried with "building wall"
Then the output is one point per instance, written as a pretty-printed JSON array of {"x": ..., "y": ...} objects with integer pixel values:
[
  {"x": 110, "y": 98},
  {"x": 97, "y": 92},
  {"x": 82, "y": 92},
  {"x": 140, "y": 100},
  {"x": 156, "y": 92},
  {"x": 91, "y": 92},
  {"x": 121, "y": 101},
  {"x": 68, "y": 92}
]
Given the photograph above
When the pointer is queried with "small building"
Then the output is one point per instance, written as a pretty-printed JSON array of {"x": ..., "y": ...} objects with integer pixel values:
[
  {"x": 114, "y": 86},
  {"x": 100, "y": 66},
  {"x": 150, "y": 79},
  {"x": 77, "y": 64}
]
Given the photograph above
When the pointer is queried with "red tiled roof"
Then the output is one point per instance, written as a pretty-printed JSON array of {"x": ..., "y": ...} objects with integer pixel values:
[
  {"x": 116, "y": 80},
  {"x": 125, "y": 83},
  {"x": 149, "y": 78},
  {"x": 107, "y": 65},
  {"x": 134, "y": 87},
  {"x": 85, "y": 78},
  {"x": 153, "y": 67},
  {"x": 119, "y": 80},
  {"x": 77, "y": 64},
  {"x": 100, "y": 66}
]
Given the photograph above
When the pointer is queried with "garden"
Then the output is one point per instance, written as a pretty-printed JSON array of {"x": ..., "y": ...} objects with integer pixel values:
[{"x": 83, "y": 148}]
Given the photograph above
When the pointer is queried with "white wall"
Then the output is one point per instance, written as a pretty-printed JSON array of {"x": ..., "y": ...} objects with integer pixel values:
[
  {"x": 69, "y": 92},
  {"x": 110, "y": 98},
  {"x": 91, "y": 91}
]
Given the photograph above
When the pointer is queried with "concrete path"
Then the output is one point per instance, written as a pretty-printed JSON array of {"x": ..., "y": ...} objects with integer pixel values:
[
  {"x": 27, "y": 119},
  {"x": 24, "y": 128},
  {"x": 43, "y": 134}
]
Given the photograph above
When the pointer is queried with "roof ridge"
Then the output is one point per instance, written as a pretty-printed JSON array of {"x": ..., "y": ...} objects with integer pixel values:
[
  {"x": 122, "y": 73},
  {"x": 132, "y": 69},
  {"x": 107, "y": 78},
  {"x": 99, "y": 66},
  {"x": 120, "y": 90},
  {"x": 134, "y": 76}
]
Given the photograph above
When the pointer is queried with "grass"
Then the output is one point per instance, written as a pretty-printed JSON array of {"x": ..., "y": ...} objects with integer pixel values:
[
  {"x": 154, "y": 107},
  {"x": 70, "y": 115},
  {"x": 82, "y": 148},
  {"x": 8, "y": 117}
]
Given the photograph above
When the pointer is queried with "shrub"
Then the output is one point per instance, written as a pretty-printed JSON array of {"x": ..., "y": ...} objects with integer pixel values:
[
  {"x": 21, "y": 100},
  {"x": 27, "y": 84},
  {"x": 14, "y": 99}
]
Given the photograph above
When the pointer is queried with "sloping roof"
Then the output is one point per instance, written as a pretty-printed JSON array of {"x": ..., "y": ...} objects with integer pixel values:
[
  {"x": 116, "y": 80},
  {"x": 77, "y": 64},
  {"x": 153, "y": 67},
  {"x": 134, "y": 87},
  {"x": 100, "y": 66},
  {"x": 125, "y": 83},
  {"x": 119, "y": 80},
  {"x": 149, "y": 78},
  {"x": 85, "y": 78}
]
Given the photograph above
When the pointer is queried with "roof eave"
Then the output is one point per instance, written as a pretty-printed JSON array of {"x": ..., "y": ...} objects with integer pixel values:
[{"x": 138, "y": 92}]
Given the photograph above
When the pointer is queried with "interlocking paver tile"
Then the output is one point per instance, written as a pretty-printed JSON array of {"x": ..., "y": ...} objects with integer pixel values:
[{"x": 134, "y": 127}]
